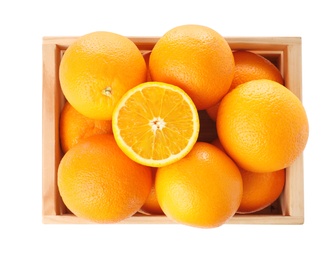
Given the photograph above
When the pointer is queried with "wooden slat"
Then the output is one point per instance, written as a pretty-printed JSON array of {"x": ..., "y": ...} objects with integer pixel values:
[
  {"x": 237, "y": 219},
  {"x": 293, "y": 195},
  {"x": 51, "y": 152}
]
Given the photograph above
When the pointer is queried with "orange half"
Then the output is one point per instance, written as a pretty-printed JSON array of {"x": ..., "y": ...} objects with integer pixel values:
[{"x": 155, "y": 124}]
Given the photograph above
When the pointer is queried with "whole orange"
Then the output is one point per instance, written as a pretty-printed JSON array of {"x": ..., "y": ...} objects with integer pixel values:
[
  {"x": 151, "y": 205},
  {"x": 195, "y": 58},
  {"x": 249, "y": 66},
  {"x": 260, "y": 189},
  {"x": 204, "y": 189},
  {"x": 73, "y": 127},
  {"x": 97, "y": 69},
  {"x": 262, "y": 126},
  {"x": 98, "y": 182}
]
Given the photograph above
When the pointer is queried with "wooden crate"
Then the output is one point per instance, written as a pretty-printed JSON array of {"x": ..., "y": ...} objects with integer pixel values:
[{"x": 284, "y": 52}]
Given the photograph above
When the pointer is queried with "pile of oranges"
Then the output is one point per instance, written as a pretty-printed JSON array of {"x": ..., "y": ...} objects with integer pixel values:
[{"x": 129, "y": 128}]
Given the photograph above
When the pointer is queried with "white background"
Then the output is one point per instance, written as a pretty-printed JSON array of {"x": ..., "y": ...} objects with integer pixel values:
[{"x": 23, "y": 236}]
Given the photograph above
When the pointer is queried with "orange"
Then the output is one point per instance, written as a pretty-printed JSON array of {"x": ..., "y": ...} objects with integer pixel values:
[
  {"x": 260, "y": 190},
  {"x": 98, "y": 182},
  {"x": 262, "y": 126},
  {"x": 249, "y": 66},
  {"x": 155, "y": 123},
  {"x": 204, "y": 189},
  {"x": 146, "y": 56},
  {"x": 97, "y": 69},
  {"x": 151, "y": 205},
  {"x": 74, "y": 127},
  {"x": 195, "y": 58}
]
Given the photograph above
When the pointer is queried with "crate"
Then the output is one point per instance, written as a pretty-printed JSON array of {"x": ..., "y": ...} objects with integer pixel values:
[{"x": 284, "y": 52}]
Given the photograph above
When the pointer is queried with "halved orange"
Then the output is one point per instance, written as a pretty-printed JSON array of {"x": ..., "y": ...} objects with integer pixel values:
[{"x": 155, "y": 124}]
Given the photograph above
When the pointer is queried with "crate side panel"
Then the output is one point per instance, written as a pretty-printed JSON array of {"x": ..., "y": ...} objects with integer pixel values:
[
  {"x": 293, "y": 194},
  {"x": 50, "y": 111}
]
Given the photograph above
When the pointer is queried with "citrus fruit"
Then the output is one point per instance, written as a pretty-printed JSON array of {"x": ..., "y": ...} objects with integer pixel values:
[
  {"x": 204, "y": 189},
  {"x": 73, "y": 127},
  {"x": 155, "y": 123},
  {"x": 262, "y": 126},
  {"x": 195, "y": 58},
  {"x": 97, "y": 69},
  {"x": 151, "y": 205},
  {"x": 260, "y": 190},
  {"x": 98, "y": 182},
  {"x": 249, "y": 66},
  {"x": 146, "y": 56}
]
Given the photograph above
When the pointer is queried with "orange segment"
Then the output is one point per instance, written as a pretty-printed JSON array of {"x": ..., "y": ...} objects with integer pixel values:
[{"x": 155, "y": 123}]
